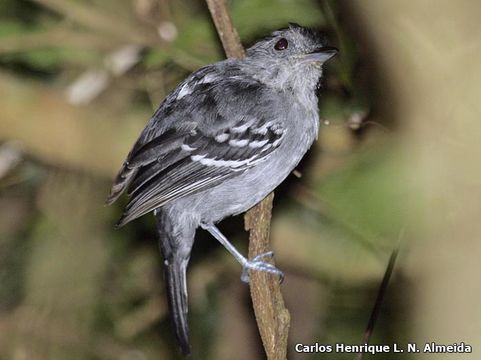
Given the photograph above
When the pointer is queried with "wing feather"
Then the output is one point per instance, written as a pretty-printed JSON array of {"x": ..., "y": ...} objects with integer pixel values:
[
  {"x": 207, "y": 164},
  {"x": 201, "y": 135}
]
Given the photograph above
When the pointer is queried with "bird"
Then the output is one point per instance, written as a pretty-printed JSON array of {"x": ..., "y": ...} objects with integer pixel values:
[{"x": 219, "y": 143}]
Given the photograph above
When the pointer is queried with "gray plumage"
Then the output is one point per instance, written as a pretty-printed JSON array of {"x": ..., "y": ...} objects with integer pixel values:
[{"x": 218, "y": 144}]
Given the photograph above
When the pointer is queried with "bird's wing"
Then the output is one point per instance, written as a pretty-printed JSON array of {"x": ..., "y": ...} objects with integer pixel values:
[
  {"x": 201, "y": 161},
  {"x": 207, "y": 133},
  {"x": 164, "y": 147}
]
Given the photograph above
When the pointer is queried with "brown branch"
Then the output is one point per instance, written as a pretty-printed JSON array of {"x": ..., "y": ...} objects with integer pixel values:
[
  {"x": 272, "y": 317},
  {"x": 91, "y": 139},
  {"x": 227, "y": 33}
]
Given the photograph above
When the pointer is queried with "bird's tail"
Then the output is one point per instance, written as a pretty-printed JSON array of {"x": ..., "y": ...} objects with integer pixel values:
[
  {"x": 175, "y": 277},
  {"x": 176, "y": 237}
]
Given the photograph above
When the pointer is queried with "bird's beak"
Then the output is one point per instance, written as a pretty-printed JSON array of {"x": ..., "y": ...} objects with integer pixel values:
[{"x": 322, "y": 54}]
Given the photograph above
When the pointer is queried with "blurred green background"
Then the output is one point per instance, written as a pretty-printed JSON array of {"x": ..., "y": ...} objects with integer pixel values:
[{"x": 398, "y": 161}]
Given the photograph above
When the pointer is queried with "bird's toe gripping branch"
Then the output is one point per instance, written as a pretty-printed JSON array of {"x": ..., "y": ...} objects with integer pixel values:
[{"x": 256, "y": 263}]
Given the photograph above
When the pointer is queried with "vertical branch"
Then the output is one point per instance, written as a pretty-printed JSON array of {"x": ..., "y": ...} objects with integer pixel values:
[
  {"x": 227, "y": 33},
  {"x": 272, "y": 317}
]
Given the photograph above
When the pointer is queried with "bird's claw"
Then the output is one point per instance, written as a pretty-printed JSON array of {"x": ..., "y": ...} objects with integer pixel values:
[{"x": 258, "y": 265}]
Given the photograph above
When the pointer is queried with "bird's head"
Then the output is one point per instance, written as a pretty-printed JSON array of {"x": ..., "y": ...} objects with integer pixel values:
[{"x": 290, "y": 57}]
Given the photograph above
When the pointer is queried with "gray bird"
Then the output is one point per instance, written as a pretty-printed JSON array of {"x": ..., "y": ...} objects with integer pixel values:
[{"x": 220, "y": 142}]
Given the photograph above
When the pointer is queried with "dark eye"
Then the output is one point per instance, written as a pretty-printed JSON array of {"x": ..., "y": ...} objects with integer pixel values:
[{"x": 281, "y": 44}]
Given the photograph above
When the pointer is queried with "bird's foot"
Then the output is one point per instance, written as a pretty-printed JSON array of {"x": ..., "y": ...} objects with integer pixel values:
[{"x": 258, "y": 265}]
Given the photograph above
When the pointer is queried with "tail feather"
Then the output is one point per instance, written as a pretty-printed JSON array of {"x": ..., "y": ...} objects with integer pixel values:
[
  {"x": 176, "y": 238},
  {"x": 175, "y": 277}
]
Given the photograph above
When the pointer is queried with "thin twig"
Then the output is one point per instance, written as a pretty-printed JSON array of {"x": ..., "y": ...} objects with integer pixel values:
[
  {"x": 379, "y": 300},
  {"x": 272, "y": 317}
]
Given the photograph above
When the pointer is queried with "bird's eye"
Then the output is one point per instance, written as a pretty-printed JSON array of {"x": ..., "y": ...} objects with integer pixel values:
[{"x": 281, "y": 44}]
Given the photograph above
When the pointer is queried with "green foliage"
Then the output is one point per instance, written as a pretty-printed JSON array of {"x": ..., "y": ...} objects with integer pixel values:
[
  {"x": 369, "y": 195},
  {"x": 10, "y": 27},
  {"x": 255, "y": 17},
  {"x": 53, "y": 59}
]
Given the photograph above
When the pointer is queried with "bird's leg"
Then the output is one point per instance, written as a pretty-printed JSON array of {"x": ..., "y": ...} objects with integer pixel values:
[{"x": 255, "y": 264}]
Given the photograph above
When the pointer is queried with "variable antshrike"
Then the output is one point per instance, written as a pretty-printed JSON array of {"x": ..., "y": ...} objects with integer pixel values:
[{"x": 218, "y": 144}]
